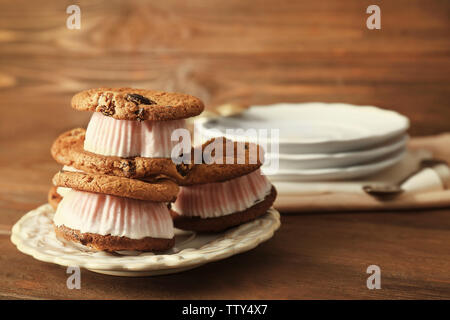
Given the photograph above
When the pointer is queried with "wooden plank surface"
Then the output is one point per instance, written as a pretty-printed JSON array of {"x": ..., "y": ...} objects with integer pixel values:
[{"x": 245, "y": 51}]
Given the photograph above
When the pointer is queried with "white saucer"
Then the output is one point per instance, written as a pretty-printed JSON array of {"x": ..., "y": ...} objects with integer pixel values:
[
  {"x": 331, "y": 174},
  {"x": 311, "y": 127},
  {"x": 337, "y": 160},
  {"x": 33, "y": 234}
]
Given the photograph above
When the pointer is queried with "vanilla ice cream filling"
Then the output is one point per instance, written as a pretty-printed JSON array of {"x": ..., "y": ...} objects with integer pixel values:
[
  {"x": 130, "y": 138},
  {"x": 116, "y": 216},
  {"x": 222, "y": 198}
]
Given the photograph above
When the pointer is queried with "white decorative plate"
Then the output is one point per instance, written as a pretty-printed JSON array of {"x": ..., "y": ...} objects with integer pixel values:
[
  {"x": 330, "y": 174},
  {"x": 336, "y": 160},
  {"x": 311, "y": 127},
  {"x": 33, "y": 234}
]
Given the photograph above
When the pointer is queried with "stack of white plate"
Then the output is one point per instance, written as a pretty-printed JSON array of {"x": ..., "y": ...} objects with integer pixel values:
[{"x": 317, "y": 141}]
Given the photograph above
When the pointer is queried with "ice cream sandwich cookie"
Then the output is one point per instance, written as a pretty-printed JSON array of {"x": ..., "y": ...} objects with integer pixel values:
[
  {"x": 114, "y": 213},
  {"x": 129, "y": 134},
  {"x": 110, "y": 223},
  {"x": 208, "y": 203}
]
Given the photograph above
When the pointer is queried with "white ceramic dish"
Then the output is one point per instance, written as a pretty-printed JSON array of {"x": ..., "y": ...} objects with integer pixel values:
[
  {"x": 332, "y": 174},
  {"x": 311, "y": 127},
  {"x": 337, "y": 160},
  {"x": 33, "y": 234}
]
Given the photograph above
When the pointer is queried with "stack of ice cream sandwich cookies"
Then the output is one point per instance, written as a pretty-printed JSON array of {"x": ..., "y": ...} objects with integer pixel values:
[
  {"x": 99, "y": 200},
  {"x": 119, "y": 188}
]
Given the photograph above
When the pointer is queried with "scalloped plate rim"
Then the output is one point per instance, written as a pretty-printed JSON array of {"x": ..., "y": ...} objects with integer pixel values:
[{"x": 221, "y": 253}]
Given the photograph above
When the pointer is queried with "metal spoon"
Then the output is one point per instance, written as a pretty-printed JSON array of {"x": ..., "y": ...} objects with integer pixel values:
[{"x": 392, "y": 190}]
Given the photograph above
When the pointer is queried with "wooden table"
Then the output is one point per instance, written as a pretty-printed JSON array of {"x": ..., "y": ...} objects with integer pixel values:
[{"x": 221, "y": 51}]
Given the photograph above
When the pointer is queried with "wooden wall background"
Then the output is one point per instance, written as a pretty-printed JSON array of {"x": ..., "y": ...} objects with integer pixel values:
[{"x": 248, "y": 51}]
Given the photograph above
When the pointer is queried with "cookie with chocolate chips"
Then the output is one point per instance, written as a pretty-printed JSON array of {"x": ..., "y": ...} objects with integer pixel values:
[
  {"x": 236, "y": 160},
  {"x": 163, "y": 190},
  {"x": 138, "y": 104}
]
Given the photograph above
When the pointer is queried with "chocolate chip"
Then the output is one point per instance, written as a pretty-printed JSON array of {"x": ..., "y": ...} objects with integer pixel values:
[
  {"x": 140, "y": 114},
  {"x": 183, "y": 169},
  {"x": 138, "y": 99},
  {"x": 108, "y": 110},
  {"x": 106, "y": 104},
  {"x": 128, "y": 167}
]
